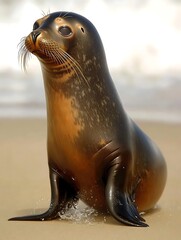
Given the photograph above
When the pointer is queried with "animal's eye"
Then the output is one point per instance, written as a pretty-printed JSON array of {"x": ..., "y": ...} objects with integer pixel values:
[
  {"x": 65, "y": 31},
  {"x": 35, "y": 26}
]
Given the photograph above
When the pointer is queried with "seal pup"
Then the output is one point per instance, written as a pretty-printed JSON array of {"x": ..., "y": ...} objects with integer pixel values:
[{"x": 96, "y": 153}]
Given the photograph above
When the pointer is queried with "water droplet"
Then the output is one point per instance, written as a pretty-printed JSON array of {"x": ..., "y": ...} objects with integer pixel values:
[{"x": 81, "y": 214}]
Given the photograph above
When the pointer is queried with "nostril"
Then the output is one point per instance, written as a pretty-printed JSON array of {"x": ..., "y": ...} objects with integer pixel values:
[{"x": 34, "y": 35}]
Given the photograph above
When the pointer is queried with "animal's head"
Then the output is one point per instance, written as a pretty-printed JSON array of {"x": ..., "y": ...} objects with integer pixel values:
[{"x": 61, "y": 38}]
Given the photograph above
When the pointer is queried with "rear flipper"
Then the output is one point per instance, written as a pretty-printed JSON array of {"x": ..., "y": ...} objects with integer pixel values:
[
  {"x": 62, "y": 196},
  {"x": 120, "y": 199}
]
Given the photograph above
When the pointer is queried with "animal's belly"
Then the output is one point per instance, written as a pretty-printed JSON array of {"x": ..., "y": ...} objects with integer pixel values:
[
  {"x": 93, "y": 193},
  {"x": 86, "y": 178}
]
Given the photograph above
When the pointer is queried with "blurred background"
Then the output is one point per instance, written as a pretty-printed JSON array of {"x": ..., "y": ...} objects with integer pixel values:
[{"x": 142, "y": 41}]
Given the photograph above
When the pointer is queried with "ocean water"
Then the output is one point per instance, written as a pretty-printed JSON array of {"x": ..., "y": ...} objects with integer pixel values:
[{"x": 142, "y": 44}]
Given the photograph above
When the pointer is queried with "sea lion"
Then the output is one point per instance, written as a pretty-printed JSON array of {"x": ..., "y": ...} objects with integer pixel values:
[{"x": 96, "y": 153}]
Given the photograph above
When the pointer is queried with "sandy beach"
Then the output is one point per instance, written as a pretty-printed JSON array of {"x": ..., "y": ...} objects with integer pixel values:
[{"x": 24, "y": 188}]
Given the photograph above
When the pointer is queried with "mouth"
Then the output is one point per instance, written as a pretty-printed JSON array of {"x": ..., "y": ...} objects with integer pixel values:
[
  {"x": 47, "y": 51},
  {"x": 50, "y": 53}
]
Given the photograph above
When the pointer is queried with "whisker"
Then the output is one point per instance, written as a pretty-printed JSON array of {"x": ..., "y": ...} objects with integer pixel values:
[
  {"x": 48, "y": 12},
  {"x": 23, "y": 54},
  {"x": 54, "y": 55},
  {"x": 66, "y": 15},
  {"x": 60, "y": 15},
  {"x": 69, "y": 64},
  {"x": 43, "y": 13},
  {"x": 59, "y": 58},
  {"x": 77, "y": 65},
  {"x": 72, "y": 64},
  {"x": 67, "y": 57}
]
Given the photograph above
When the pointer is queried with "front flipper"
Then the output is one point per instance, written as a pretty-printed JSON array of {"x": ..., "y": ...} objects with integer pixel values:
[
  {"x": 61, "y": 194},
  {"x": 119, "y": 199}
]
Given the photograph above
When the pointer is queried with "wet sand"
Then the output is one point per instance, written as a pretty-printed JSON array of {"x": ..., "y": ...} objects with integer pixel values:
[{"x": 24, "y": 188}]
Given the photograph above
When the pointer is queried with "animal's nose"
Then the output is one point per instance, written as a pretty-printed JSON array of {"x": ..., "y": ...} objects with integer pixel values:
[{"x": 34, "y": 35}]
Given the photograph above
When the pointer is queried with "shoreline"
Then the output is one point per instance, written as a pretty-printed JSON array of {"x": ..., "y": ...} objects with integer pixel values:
[{"x": 137, "y": 115}]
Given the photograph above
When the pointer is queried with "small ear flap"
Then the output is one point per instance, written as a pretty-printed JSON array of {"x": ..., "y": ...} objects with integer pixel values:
[{"x": 120, "y": 201}]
